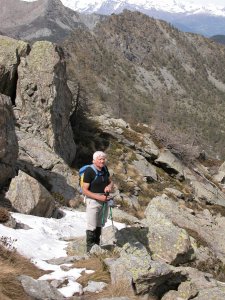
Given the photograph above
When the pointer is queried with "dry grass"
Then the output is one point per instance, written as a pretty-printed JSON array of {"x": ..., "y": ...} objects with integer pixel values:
[
  {"x": 101, "y": 274},
  {"x": 96, "y": 264},
  {"x": 12, "y": 265}
]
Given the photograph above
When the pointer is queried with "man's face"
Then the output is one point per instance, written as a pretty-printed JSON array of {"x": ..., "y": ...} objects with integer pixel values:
[{"x": 99, "y": 162}]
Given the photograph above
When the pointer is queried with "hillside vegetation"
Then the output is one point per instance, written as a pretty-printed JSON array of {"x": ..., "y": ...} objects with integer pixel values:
[{"x": 142, "y": 69}]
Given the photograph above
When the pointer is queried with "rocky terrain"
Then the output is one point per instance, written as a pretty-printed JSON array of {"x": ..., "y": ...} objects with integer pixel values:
[
  {"x": 173, "y": 245},
  {"x": 145, "y": 70}
]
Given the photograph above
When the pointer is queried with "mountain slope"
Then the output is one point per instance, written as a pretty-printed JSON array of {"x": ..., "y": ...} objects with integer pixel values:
[
  {"x": 219, "y": 39},
  {"x": 42, "y": 19},
  {"x": 145, "y": 70}
]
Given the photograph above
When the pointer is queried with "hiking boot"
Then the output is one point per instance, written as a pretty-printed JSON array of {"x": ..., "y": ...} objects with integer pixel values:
[
  {"x": 90, "y": 239},
  {"x": 98, "y": 232}
]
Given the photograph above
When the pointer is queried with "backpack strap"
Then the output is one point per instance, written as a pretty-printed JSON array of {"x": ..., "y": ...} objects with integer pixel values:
[{"x": 97, "y": 172}]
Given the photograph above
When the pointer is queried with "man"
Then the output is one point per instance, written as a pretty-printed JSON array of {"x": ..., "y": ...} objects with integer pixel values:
[{"x": 96, "y": 189}]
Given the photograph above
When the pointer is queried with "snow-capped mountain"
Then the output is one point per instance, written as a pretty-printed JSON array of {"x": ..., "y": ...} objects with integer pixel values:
[
  {"x": 169, "y": 6},
  {"x": 207, "y": 19},
  {"x": 191, "y": 15}
]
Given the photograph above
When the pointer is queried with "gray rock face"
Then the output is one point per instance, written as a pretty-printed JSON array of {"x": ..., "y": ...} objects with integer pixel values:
[
  {"x": 38, "y": 160},
  {"x": 28, "y": 196},
  {"x": 39, "y": 289},
  {"x": 167, "y": 242},
  {"x": 135, "y": 265},
  {"x": 145, "y": 168},
  {"x": 208, "y": 192},
  {"x": 10, "y": 53},
  {"x": 8, "y": 141},
  {"x": 44, "y": 101},
  {"x": 170, "y": 163},
  {"x": 208, "y": 229}
]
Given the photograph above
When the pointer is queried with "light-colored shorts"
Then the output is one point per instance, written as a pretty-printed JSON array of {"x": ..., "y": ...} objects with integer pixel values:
[{"x": 97, "y": 213}]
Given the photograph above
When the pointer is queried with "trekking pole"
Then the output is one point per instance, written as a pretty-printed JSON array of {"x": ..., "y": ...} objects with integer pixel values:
[
  {"x": 111, "y": 216},
  {"x": 103, "y": 221}
]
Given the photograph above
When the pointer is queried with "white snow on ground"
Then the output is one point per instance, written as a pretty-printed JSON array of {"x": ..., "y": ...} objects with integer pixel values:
[{"x": 45, "y": 240}]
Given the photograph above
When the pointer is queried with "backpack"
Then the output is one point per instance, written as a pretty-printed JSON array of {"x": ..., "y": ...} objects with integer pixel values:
[{"x": 83, "y": 169}]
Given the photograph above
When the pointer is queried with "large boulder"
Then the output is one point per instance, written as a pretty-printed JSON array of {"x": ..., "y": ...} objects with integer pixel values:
[
  {"x": 44, "y": 101},
  {"x": 207, "y": 229},
  {"x": 135, "y": 267},
  {"x": 8, "y": 141},
  {"x": 167, "y": 242},
  {"x": 38, "y": 160},
  {"x": 28, "y": 196}
]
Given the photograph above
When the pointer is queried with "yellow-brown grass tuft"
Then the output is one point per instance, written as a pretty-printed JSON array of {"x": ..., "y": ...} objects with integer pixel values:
[
  {"x": 96, "y": 264},
  {"x": 12, "y": 265},
  {"x": 4, "y": 215}
]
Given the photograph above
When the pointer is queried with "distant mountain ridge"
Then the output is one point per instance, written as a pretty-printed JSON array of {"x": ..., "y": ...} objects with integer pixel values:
[
  {"x": 206, "y": 20},
  {"x": 170, "y": 6},
  {"x": 219, "y": 39},
  {"x": 42, "y": 19}
]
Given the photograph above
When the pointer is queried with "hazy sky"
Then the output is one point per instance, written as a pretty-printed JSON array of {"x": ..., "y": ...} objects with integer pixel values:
[{"x": 207, "y": 2}]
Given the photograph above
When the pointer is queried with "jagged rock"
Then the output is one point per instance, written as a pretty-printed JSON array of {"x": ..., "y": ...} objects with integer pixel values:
[
  {"x": 39, "y": 289},
  {"x": 116, "y": 127},
  {"x": 77, "y": 247},
  {"x": 124, "y": 217},
  {"x": 11, "y": 52},
  {"x": 167, "y": 242},
  {"x": 175, "y": 192},
  {"x": 220, "y": 176},
  {"x": 208, "y": 192},
  {"x": 44, "y": 101},
  {"x": 148, "y": 148},
  {"x": 97, "y": 250},
  {"x": 8, "y": 141},
  {"x": 131, "y": 201},
  {"x": 38, "y": 160},
  {"x": 145, "y": 168},
  {"x": 205, "y": 228},
  {"x": 35, "y": 152},
  {"x": 186, "y": 290},
  {"x": 28, "y": 196},
  {"x": 95, "y": 287},
  {"x": 64, "y": 260},
  {"x": 213, "y": 293},
  {"x": 109, "y": 235},
  {"x": 170, "y": 164},
  {"x": 207, "y": 287},
  {"x": 135, "y": 266}
]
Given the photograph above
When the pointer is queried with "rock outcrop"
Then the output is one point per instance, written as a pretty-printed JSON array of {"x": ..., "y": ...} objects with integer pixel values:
[
  {"x": 44, "y": 101},
  {"x": 35, "y": 79},
  {"x": 11, "y": 52},
  {"x": 8, "y": 141}
]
